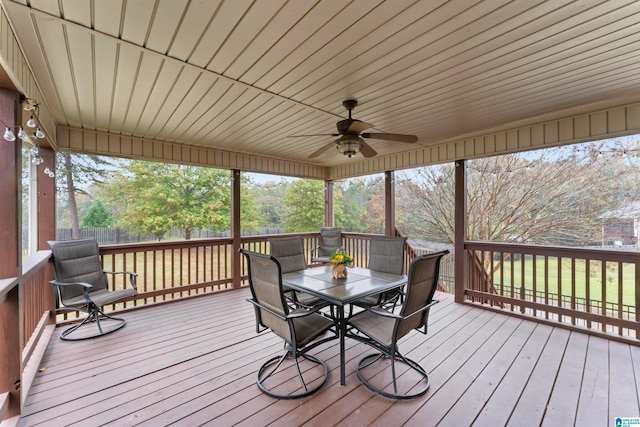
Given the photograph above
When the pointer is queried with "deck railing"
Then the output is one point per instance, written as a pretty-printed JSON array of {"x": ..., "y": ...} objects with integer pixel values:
[
  {"x": 27, "y": 320},
  {"x": 597, "y": 291},
  {"x": 593, "y": 290},
  {"x": 178, "y": 269}
]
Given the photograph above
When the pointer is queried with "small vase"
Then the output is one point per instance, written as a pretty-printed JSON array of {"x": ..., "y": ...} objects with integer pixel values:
[{"x": 339, "y": 271}]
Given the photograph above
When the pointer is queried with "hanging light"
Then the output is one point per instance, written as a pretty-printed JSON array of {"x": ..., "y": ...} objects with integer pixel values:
[
  {"x": 8, "y": 135},
  {"x": 34, "y": 151},
  {"x": 30, "y": 104},
  {"x": 349, "y": 145}
]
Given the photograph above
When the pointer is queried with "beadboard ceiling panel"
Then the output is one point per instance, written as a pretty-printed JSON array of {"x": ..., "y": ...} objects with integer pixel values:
[{"x": 243, "y": 75}]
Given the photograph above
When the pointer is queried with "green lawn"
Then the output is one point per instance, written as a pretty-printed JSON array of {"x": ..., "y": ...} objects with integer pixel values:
[{"x": 566, "y": 272}]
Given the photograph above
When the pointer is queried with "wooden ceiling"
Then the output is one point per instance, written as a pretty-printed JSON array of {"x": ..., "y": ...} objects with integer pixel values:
[{"x": 241, "y": 75}]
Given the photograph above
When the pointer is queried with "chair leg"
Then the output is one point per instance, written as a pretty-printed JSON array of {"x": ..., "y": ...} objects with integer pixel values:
[
  {"x": 95, "y": 316},
  {"x": 396, "y": 357},
  {"x": 265, "y": 372}
]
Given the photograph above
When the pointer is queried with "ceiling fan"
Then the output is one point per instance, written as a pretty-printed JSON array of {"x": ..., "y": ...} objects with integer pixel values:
[{"x": 350, "y": 132}]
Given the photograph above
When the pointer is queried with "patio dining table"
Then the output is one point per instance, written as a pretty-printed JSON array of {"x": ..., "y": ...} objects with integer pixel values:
[{"x": 359, "y": 283}]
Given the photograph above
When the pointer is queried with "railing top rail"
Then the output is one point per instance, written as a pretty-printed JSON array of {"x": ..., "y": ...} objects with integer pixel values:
[
  {"x": 175, "y": 244},
  {"x": 167, "y": 244},
  {"x": 30, "y": 266},
  {"x": 556, "y": 251}
]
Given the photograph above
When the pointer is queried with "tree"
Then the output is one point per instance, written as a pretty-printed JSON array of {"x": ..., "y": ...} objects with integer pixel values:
[
  {"x": 97, "y": 216},
  {"x": 156, "y": 197},
  {"x": 304, "y": 199},
  {"x": 268, "y": 198},
  {"x": 546, "y": 197},
  {"x": 362, "y": 210},
  {"x": 80, "y": 172}
]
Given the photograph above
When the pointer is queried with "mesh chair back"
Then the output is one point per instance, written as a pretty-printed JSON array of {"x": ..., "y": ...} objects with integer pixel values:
[
  {"x": 421, "y": 286},
  {"x": 266, "y": 287},
  {"x": 386, "y": 254},
  {"x": 77, "y": 261},
  {"x": 289, "y": 251},
  {"x": 330, "y": 240}
]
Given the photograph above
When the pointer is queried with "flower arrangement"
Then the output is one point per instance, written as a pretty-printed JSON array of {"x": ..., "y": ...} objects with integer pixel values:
[{"x": 341, "y": 257}]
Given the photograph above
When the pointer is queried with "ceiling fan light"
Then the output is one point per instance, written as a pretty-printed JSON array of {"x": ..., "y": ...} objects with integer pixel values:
[
  {"x": 349, "y": 145},
  {"x": 31, "y": 122},
  {"x": 39, "y": 134}
]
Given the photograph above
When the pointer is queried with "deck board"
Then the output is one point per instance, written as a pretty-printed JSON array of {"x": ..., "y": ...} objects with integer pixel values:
[
  {"x": 563, "y": 403},
  {"x": 194, "y": 362},
  {"x": 593, "y": 406}
]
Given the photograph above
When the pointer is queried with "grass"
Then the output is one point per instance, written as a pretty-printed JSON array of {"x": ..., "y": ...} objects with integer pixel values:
[{"x": 563, "y": 278}]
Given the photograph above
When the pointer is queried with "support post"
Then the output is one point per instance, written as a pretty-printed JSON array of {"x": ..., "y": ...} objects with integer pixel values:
[
  {"x": 46, "y": 200},
  {"x": 10, "y": 262},
  {"x": 46, "y": 221},
  {"x": 235, "y": 228},
  {"x": 329, "y": 217},
  {"x": 460, "y": 228},
  {"x": 389, "y": 204}
]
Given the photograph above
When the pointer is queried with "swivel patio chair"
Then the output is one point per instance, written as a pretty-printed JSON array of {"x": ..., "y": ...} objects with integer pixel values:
[
  {"x": 382, "y": 329},
  {"x": 386, "y": 255},
  {"x": 300, "y": 328},
  {"x": 289, "y": 251},
  {"x": 81, "y": 284},
  {"x": 329, "y": 242}
]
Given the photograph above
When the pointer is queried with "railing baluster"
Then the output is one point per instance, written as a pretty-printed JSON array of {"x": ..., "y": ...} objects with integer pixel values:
[{"x": 557, "y": 287}]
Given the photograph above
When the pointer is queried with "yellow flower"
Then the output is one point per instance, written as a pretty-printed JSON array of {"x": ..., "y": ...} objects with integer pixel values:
[{"x": 341, "y": 257}]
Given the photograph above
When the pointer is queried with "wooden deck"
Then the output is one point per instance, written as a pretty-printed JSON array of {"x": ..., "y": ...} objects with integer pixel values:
[{"x": 194, "y": 363}]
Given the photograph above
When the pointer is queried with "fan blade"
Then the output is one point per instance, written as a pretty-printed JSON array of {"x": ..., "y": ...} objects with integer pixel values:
[
  {"x": 357, "y": 126},
  {"x": 315, "y": 134},
  {"x": 391, "y": 137},
  {"x": 352, "y": 126},
  {"x": 322, "y": 150},
  {"x": 367, "y": 151}
]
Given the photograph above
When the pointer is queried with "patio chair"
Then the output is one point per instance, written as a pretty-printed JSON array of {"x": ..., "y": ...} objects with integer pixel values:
[
  {"x": 301, "y": 330},
  {"x": 330, "y": 241},
  {"x": 386, "y": 255},
  {"x": 289, "y": 251},
  {"x": 382, "y": 330},
  {"x": 81, "y": 284}
]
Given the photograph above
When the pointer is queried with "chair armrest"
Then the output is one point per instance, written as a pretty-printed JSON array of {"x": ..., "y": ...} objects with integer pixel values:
[
  {"x": 375, "y": 309},
  {"x": 85, "y": 287},
  {"x": 293, "y": 315},
  {"x": 303, "y": 313},
  {"x": 262, "y": 307},
  {"x": 132, "y": 276},
  {"x": 120, "y": 272},
  {"x": 420, "y": 310},
  {"x": 385, "y": 313},
  {"x": 55, "y": 282},
  {"x": 315, "y": 250}
]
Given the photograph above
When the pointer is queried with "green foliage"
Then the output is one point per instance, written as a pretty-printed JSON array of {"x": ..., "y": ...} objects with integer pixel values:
[
  {"x": 304, "y": 199},
  {"x": 360, "y": 205},
  {"x": 97, "y": 216},
  {"x": 156, "y": 197},
  {"x": 268, "y": 202}
]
